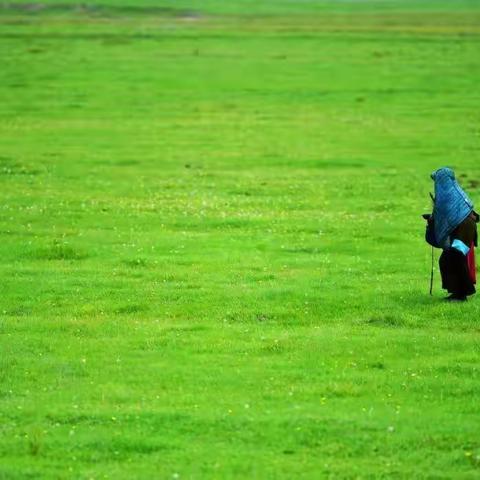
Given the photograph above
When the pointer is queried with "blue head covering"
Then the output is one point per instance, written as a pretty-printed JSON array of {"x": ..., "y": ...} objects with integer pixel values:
[{"x": 452, "y": 205}]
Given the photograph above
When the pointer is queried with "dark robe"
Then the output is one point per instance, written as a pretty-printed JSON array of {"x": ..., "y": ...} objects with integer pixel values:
[
  {"x": 454, "y": 267},
  {"x": 472, "y": 268}
]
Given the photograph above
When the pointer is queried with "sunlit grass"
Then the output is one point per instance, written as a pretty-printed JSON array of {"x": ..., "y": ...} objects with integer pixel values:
[{"x": 211, "y": 247}]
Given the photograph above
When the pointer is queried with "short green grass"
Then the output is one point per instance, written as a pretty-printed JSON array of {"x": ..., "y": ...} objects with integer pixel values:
[{"x": 212, "y": 256}]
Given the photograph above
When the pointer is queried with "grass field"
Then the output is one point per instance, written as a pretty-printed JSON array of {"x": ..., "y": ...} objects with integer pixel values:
[{"x": 212, "y": 256}]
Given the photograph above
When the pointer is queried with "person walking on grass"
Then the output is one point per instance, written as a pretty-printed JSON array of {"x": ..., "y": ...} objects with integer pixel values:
[{"x": 454, "y": 227}]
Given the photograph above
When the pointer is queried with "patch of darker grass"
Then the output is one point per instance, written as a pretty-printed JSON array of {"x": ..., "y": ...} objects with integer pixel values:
[
  {"x": 126, "y": 163},
  {"x": 385, "y": 321},
  {"x": 218, "y": 224},
  {"x": 267, "y": 277},
  {"x": 186, "y": 329},
  {"x": 9, "y": 166},
  {"x": 58, "y": 251},
  {"x": 303, "y": 250},
  {"x": 274, "y": 347},
  {"x": 135, "y": 262},
  {"x": 19, "y": 311},
  {"x": 377, "y": 366},
  {"x": 16, "y": 85},
  {"x": 244, "y": 193},
  {"x": 123, "y": 447},
  {"x": 131, "y": 308},
  {"x": 458, "y": 370},
  {"x": 234, "y": 317},
  {"x": 336, "y": 164},
  {"x": 35, "y": 442},
  {"x": 343, "y": 390},
  {"x": 78, "y": 419}
]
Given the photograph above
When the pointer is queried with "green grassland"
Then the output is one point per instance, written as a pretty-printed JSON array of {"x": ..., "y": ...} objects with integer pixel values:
[{"x": 212, "y": 256}]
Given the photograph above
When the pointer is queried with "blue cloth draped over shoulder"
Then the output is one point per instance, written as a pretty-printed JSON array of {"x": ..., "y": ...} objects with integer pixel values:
[{"x": 452, "y": 205}]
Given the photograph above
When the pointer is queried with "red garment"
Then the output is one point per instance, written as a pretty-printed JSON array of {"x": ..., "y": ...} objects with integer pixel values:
[{"x": 471, "y": 263}]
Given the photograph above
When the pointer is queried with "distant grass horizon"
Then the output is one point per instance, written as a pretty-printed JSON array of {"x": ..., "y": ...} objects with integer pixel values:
[{"x": 246, "y": 7}]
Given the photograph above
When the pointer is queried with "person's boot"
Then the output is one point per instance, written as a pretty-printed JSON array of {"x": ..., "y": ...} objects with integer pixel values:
[{"x": 455, "y": 297}]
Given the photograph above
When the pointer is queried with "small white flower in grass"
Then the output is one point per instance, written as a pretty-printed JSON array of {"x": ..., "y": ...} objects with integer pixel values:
[{"x": 391, "y": 429}]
